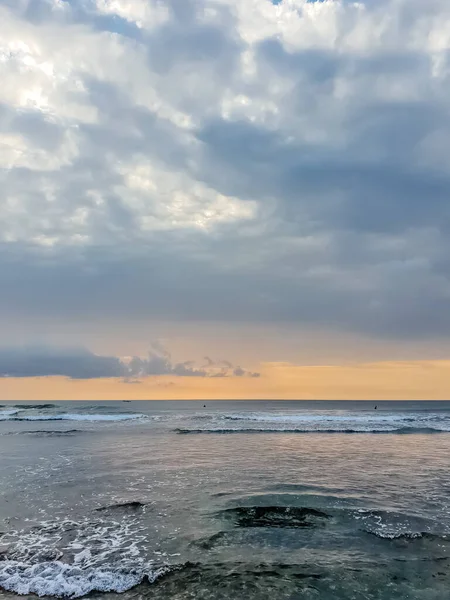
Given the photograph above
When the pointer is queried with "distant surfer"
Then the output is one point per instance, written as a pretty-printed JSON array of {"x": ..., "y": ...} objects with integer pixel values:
[
  {"x": 375, "y": 407},
  {"x": 204, "y": 406}
]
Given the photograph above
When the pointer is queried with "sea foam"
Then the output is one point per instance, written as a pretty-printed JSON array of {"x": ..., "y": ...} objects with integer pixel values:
[{"x": 56, "y": 578}]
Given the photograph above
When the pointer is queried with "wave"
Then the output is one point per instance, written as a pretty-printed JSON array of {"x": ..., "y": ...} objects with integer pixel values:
[
  {"x": 14, "y": 416},
  {"x": 48, "y": 432},
  {"x": 8, "y": 413},
  {"x": 59, "y": 579},
  {"x": 327, "y": 422},
  {"x": 55, "y": 578},
  {"x": 36, "y": 406},
  {"x": 397, "y": 430},
  {"x": 315, "y": 417},
  {"x": 408, "y": 535},
  {"x": 71, "y": 559}
]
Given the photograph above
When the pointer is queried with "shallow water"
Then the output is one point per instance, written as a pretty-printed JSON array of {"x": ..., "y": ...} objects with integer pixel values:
[{"x": 232, "y": 500}]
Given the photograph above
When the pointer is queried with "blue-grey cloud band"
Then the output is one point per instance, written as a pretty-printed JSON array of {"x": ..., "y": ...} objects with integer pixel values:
[{"x": 80, "y": 363}]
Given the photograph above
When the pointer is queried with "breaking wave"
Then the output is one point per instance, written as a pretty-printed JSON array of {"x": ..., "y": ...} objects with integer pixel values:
[
  {"x": 323, "y": 422},
  {"x": 6, "y": 414},
  {"x": 317, "y": 421},
  {"x": 55, "y": 578},
  {"x": 71, "y": 559},
  {"x": 62, "y": 580}
]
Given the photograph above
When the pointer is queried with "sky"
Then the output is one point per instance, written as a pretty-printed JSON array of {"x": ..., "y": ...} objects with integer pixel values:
[{"x": 224, "y": 199}]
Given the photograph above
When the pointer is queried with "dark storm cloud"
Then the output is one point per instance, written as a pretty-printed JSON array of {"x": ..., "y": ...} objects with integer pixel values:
[{"x": 340, "y": 148}]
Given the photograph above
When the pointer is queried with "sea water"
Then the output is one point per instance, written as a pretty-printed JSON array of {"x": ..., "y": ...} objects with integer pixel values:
[{"x": 254, "y": 500}]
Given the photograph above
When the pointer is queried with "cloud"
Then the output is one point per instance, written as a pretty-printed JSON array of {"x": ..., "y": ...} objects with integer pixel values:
[
  {"x": 226, "y": 160},
  {"x": 80, "y": 363},
  {"x": 159, "y": 362},
  {"x": 41, "y": 362}
]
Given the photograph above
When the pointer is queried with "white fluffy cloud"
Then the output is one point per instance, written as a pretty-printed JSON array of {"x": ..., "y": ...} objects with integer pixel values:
[{"x": 227, "y": 159}]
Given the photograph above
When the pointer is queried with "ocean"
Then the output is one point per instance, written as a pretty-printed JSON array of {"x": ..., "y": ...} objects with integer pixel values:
[{"x": 215, "y": 500}]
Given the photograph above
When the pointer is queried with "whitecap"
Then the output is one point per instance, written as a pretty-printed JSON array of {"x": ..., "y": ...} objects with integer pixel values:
[{"x": 59, "y": 579}]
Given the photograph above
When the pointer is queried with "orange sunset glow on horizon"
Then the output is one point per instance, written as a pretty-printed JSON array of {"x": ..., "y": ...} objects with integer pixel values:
[{"x": 415, "y": 380}]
